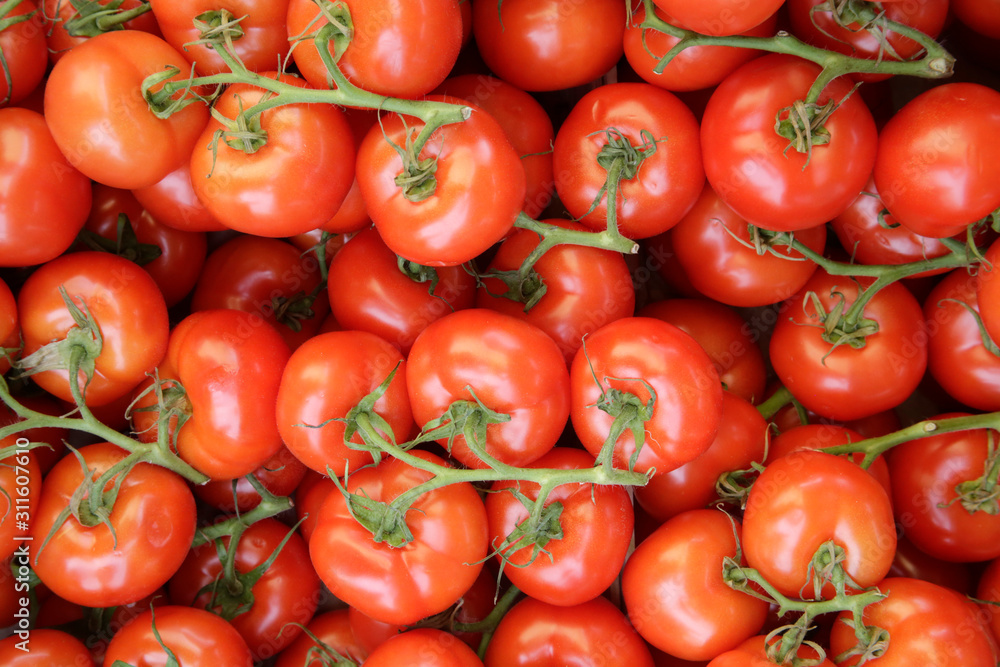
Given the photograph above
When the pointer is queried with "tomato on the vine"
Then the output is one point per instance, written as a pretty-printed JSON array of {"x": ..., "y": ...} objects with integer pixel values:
[
  {"x": 198, "y": 638},
  {"x": 25, "y": 53}
]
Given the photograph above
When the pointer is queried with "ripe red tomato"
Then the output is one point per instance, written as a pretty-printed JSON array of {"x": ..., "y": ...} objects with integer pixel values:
[
  {"x": 20, "y": 485},
  {"x": 719, "y": 17},
  {"x": 333, "y": 630},
  {"x": 10, "y": 332},
  {"x": 197, "y": 638},
  {"x": 45, "y": 647},
  {"x": 423, "y": 647},
  {"x": 172, "y": 201},
  {"x": 753, "y": 653},
  {"x": 63, "y": 17},
  {"x": 988, "y": 291},
  {"x": 280, "y": 475},
  {"x": 980, "y": 15},
  {"x": 25, "y": 54},
  {"x": 988, "y": 590}
]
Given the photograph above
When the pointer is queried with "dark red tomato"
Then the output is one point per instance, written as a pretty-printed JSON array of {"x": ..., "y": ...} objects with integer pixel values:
[
  {"x": 337, "y": 643},
  {"x": 405, "y": 51},
  {"x": 585, "y": 288},
  {"x": 694, "y": 68},
  {"x": 719, "y": 17},
  {"x": 479, "y": 187},
  {"x": 172, "y": 201},
  {"x": 758, "y": 173},
  {"x": 182, "y": 253},
  {"x": 422, "y": 577},
  {"x": 323, "y": 381},
  {"x": 308, "y": 148},
  {"x": 269, "y": 278},
  {"x": 655, "y": 124},
  {"x": 980, "y": 15},
  {"x": 524, "y": 375},
  {"x": 912, "y": 562},
  {"x": 739, "y": 442},
  {"x": 45, "y": 647},
  {"x": 10, "y": 593},
  {"x": 197, "y": 638},
  {"x": 280, "y": 474},
  {"x": 828, "y": 380},
  {"x": 536, "y": 634},
  {"x": 10, "y": 332},
  {"x": 988, "y": 291},
  {"x": 549, "y": 44},
  {"x": 715, "y": 249},
  {"x": 45, "y": 201},
  {"x": 988, "y": 590},
  {"x": 423, "y": 647},
  {"x": 927, "y": 624},
  {"x": 928, "y": 177},
  {"x": 673, "y": 580},
  {"x": 100, "y": 120},
  {"x": 68, "y": 22},
  {"x": 25, "y": 54},
  {"x": 926, "y": 474},
  {"x": 808, "y": 498},
  {"x": 662, "y": 260},
  {"x": 524, "y": 120},
  {"x": 369, "y": 292},
  {"x": 595, "y": 532},
  {"x": 20, "y": 486},
  {"x": 153, "y": 519},
  {"x": 369, "y": 632},
  {"x": 352, "y": 216},
  {"x": 309, "y": 498},
  {"x": 753, "y": 653},
  {"x": 637, "y": 355}
]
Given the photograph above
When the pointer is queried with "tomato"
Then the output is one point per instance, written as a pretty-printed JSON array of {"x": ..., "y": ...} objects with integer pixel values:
[
  {"x": 66, "y": 23},
  {"x": 585, "y": 288},
  {"x": 424, "y": 576},
  {"x": 673, "y": 580},
  {"x": 173, "y": 202},
  {"x": 99, "y": 119},
  {"x": 719, "y": 17},
  {"x": 536, "y": 634},
  {"x": 927, "y": 624},
  {"x": 912, "y": 562},
  {"x": 829, "y": 380},
  {"x": 45, "y": 201},
  {"x": 423, "y": 647},
  {"x": 124, "y": 301},
  {"x": 45, "y": 647},
  {"x": 369, "y": 292},
  {"x": 401, "y": 50},
  {"x": 229, "y": 364},
  {"x": 635, "y": 355},
  {"x": 805, "y": 499},
  {"x": 10, "y": 332},
  {"x": 980, "y": 15},
  {"x": 309, "y": 497},
  {"x": 758, "y": 173},
  {"x": 153, "y": 519},
  {"x": 988, "y": 291},
  {"x": 753, "y": 653},
  {"x": 988, "y": 590},
  {"x": 307, "y": 148},
  {"x": 25, "y": 55},
  {"x": 20, "y": 483},
  {"x": 549, "y": 45},
  {"x": 280, "y": 475},
  {"x": 352, "y": 216},
  {"x": 197, "y": 637},
  {"x": 326, "y": 378},
  {"x": 479, "y": 187},
  {"x": 333, "y": 630},
  {"x": 929, "y": 179}
]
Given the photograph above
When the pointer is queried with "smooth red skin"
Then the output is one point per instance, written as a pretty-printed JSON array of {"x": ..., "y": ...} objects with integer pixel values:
[
  {"x": 688, "y": 409},
  {"x": 668, "y": 181},
  {"x": 536, "y": 634},
  {"x": 596, "y": 522},
  {"x": 182, "y": 253},
  {"x": 197, "y": 637},
  {"x": 93, "y": 93},
  {"x": 154, "y": 519},
  {"x": 230, "y": 365},
  {"x": 369, "y": 293},
  {"x": 739, "y": 442},
  {"x": 57, "y": 12},
  {"x": 988, "y": 590},
  {"x": 512, "y": 366},
  {"x": 934, "y": 168},
  {"x": 694, "y": 68},
  {"x": 309, "y": 498},
  {"x": 927, "y": 624},
  {"x": 280, "y": 474},
  {"x": 405, "y": 584},
  {"x": 525, "y": 122},
  {"x": 711, "y": 245},
  {"x": 326, "y": 378},
  {"x": 885, "y": 371},
  {"x": 47, "y": 647},
  {"x": 173, "y": 202},
  {"x": 352, "y": 216},
  {"x": 480, "y": 188},
  {"x": 751, "y": 653},
  {"x": 369, "y": 632},
  {"x": 727, "y": 338},
  {"x": 251, "y": 273},
  {"x": 389, "y": 53},
  {"x": 674, "y": 592},
  {"x": 746, "y": 162},
  {"x": 25, "y": 52},
  {"x": 719, "y": 17},
  {"x": 287, "y": 593},
  {"x": 924, "y": 474},
  {"x": 956, "y": 355},
  {"x": 988, "y": 290},
  {"x": 20, "y": 481},
  {"x": 10, "y": 333},
  {"x": 124, "y": 301},
  {"x": 983, "y": 16},
  {"x": 585, "y": 288},
  {"x": 549, "y": 45},
  {"x": 423, "y": 647},
  {"x": 820, "y": 28},
  {"x": 333, "y": 628},
  {"x": 45, "y": 201},
  {"x": 309, "y": 149},
  {"x": 805, "y": 499}
]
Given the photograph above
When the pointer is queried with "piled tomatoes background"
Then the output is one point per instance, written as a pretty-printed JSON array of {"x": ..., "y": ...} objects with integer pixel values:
[{"x": 462, "y": 333}]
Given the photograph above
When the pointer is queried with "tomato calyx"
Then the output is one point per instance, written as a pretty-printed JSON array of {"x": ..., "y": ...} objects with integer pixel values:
[
  {"x": 522, "y": 287},
  {"x": 873, "y": 646},
  {"x": 981, "y": 494},
  {"x": 385, "y": 521},
  {"x": 243, "y": 133},
  {"x": 125, "y": 244},
  {"x": 218, "y": 28},
  {"x": 90, "y": 18},
  {"x": 839, "y": 328},
  {"x": 420, "y": 273},
  {"x": 321, "y": 653},
  {"x": 733, "y": 487},
  {"x": 417, "y": 178},
  {"x": 540, "y": 527}
]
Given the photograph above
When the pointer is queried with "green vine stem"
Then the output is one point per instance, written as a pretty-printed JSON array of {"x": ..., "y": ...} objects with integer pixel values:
[
  {"x": 91, "y": 19},
  {"x": 488, "y": 625}
]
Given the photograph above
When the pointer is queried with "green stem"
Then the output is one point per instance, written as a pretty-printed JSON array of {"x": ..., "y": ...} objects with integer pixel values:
[
  {"x": 270, "y": 506},
  {"x": 488, "y": 625},
  {"x": 553, "y": 235},
  {"x": 775, "y": 402}
]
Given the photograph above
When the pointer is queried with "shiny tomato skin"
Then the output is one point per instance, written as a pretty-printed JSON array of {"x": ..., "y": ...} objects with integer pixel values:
[
  {"x": 173, "y": 202},
  {"x": 197, "y": 637},
  {"x": 26, "y": 55},
  {"x": 333, "y": 629},
  {"x": 20, "y": 483},
  {"x": 753, "y": 653},
  {"x": 423, "y": 647},
  {"x": 988, "y": 291},
  {"x": 719, "y": 17},
  {"x": 988, "y": 590},
  {"x": 980, "y": 15},
  {"x": 10, "y": 332},
  {"x": 47, "y": 647}
]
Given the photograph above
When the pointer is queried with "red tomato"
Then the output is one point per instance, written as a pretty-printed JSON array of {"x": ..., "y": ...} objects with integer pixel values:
[
  {"x": 929, "y": 179},
  {"x": 45, "y": 201},
  {"x": 337, "y": 642},
  {"x": 757, "y": 172},
  {"x": 912, "y": 562},
  {"x": 634, "y": 355},
  {"x": 20, "y": 484},
  {"x": 10, "y": 332},
  {"x": 352, "y": 216},
  {"x": 479, "y": 188},
  {"x": 172, "y": 201},
  {"x": 988, "y": 291},
  {"x": 423, "y": 647},
  {"x": 988, "y": 590},
  {"x": 153, "y": 519},
  {"x": 280, "y": 475},
  {"x": 45, "y": 647},
  {"x": 983, "y": 16},
  {"x": 25, "y": 54},
  {"x": 71, "y": 22},
  {"x": 753, "y": 653},
  {"x": 309, "y": 498},
  {"x": 99, "y": 119},
  {"x": 198, "y": 638},
  {"x": 719, "y": 17}
]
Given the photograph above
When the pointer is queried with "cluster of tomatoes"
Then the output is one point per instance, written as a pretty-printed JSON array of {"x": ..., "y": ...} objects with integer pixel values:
[{"x": 485, "y": 333}]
